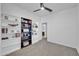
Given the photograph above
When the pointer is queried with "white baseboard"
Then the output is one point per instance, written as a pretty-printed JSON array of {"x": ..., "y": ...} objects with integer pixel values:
[
  {"x": 61, "y": 43},
  {"x": 77, "y": 50}
]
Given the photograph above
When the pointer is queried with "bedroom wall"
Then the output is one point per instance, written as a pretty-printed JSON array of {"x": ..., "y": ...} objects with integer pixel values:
[
  {"x": 15, "y": 10},
  {"x": 62, "y": 27},
  {"x": 0, "y": 28},
  {"x": 78, "y": 30}
]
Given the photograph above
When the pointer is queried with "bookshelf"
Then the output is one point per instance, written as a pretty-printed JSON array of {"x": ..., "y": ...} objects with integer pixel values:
[{"x": 26, "y": 32}]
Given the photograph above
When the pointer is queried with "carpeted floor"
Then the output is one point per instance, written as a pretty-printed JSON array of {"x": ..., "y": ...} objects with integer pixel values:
[{"x": 44, "y": 48}]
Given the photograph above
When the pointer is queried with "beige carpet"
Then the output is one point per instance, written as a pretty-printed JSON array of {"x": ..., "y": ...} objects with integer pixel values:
[{"x": 44, "y": 48}]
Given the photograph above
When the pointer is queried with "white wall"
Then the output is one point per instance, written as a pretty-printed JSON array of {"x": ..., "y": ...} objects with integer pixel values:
[
  {"x": 17, "y": 11},
  {"x": 0, "y": 29},
  {"x": 62, "y": 27},
  {"x": 12, "y": 9},
  {"x": 78, "y": 30}
]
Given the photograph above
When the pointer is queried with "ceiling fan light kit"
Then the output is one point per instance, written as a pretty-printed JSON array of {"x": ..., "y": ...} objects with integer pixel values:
[{"x": 42, "y": 7}]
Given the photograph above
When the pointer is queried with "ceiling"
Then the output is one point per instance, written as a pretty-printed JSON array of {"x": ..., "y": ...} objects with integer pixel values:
[{"x": 56, "y": 7}]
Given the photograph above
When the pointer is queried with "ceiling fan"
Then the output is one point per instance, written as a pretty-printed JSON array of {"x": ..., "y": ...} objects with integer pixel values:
[{"x": 42, "y": 7}]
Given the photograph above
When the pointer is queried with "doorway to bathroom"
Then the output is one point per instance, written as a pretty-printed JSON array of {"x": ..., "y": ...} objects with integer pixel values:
[{"x": 44, "y": 30}]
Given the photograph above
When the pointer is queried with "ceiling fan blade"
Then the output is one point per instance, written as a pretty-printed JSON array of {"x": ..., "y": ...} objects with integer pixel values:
[
  {"x": 50, "y": 10},
  {"x": 41, "y": 5},
  {"x": 37, "y": 10}
]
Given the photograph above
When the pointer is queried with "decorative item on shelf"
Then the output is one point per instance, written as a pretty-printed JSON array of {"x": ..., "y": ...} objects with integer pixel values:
[
  {"x": 13, "y": 25},
  {"x": 4, "y": 30},
  {"x": 13, "y": 36},
  {"x": 26, "y": 25},
  {"x": 25, "y": 30},
  {"x": 12, "y": 31},
  {"x": 16, "y": 19},
  {"x": 30, "y": 22},
  {"x": 35, "y": 33},
  {"x": 4, "y": 38},
  {"x": 26, "y": 43},
  {"x": 6, "y": 17},
  {"x": 35, "y": 25},
  {"x": 26, "y": 21},
  {"x": 17, "y": 34}
]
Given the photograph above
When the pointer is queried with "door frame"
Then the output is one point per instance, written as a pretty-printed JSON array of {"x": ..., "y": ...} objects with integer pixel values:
[{"x": 46, "y": 29}]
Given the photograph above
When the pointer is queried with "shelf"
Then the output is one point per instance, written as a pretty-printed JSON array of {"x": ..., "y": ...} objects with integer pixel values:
[
  {"x": 4, "y": 38},
  {"x": 26, "y": 25},
  {"x": 10, "y": 18},
  {"x": 27, "y": 43},
  {"x": 26, "y": 40},
  {"x": 13, "y": 25},
  {"x": 24, "y": 28}
]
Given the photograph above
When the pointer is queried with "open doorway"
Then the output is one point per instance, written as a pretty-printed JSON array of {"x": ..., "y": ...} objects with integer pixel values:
[{"x": 44, "y": 30}]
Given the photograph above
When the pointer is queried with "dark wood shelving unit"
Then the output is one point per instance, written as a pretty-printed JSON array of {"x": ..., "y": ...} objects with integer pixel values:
[{"x": 26, "y": 32}]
